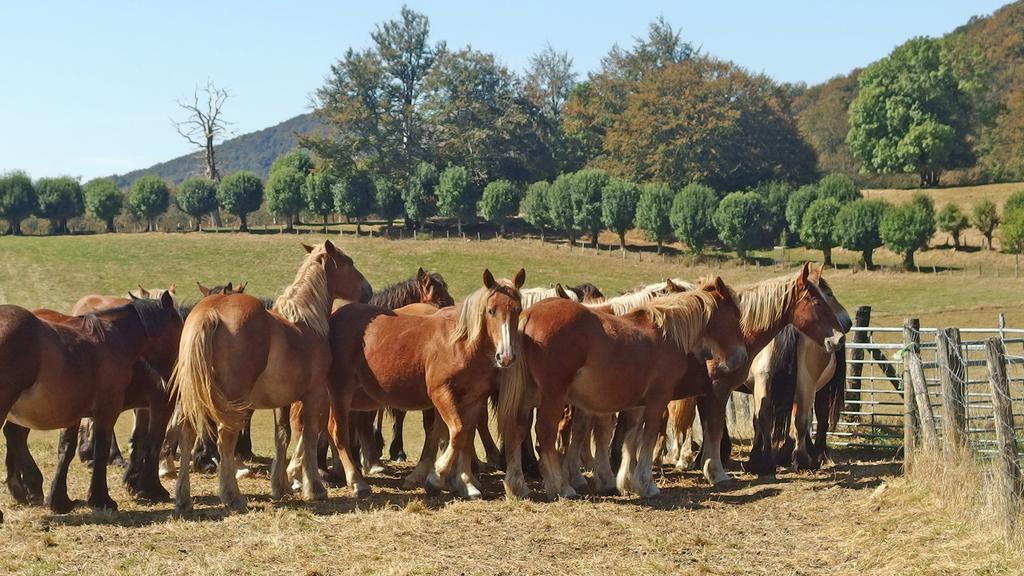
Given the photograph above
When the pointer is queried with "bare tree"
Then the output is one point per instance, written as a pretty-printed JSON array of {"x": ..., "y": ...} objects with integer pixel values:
[{"x": 204, "y": 127}]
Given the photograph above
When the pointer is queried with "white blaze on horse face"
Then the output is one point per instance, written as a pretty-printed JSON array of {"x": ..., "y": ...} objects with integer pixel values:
[{"x": 504, "y": 354}]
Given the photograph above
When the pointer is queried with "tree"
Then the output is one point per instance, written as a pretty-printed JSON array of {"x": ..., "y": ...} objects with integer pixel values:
[
  {"x": 585, "y": 189},
  {"x": 839, "y": 187},
  {"x": 952, "y": 221},
  {"x": 1014, "y": 202},
  {"x": 240, "y": 193},
  {"x": 985, "y": 218},
  {"x": 913, "y": 114},
  {"x": 817, "y": 227},
  {"x": 776, "y": 195},
  {"x": 318, "y": 190},
  {"x": 857, "y": 227},
  {"x": 454, "y": 195},
  {"x": 148, "y": 198},
  {"x": 535, "y": 207},
  {"x": 905, "y": 229},
  {"x": 618, "y": 207},
  {"x": 797, "y": 205},
  {"x": 104, "y": 200},
  {"x": 59, "y": 200},
  {"x": 1011, "y": 232},
  {"x": 295, "y": 159},
  {"x": 197, "y": 196},
  {"x": 204, "y": 127},
  {"x": 738, "y": 221},
  {"x": 560, "y": 210},
  {"x": 353, "y": 197},
  {"x": 418, "y": 195},
  {"x": 17, "y": 199},
  {"x": 499, "y": 202},
  {"x": 549, "y": 81},
  {"x": 284, "y": 194},
  {"x": 693, "y": 212},
  {"x": 653, "y": 211},
  {"x": 389, "y": 200}
]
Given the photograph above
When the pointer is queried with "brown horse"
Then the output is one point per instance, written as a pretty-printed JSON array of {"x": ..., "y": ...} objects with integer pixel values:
[
  {"x": 55, "y": 369},
  {"x": 605, "y": 363},
  {"x": 444, "y": 360},
  {"x": 235, "y": 355}
]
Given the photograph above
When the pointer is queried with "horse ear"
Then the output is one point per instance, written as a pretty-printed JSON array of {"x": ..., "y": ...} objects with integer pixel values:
[
  {"x": 421, "y": 274},
  {"x": 673, "y": 287},
  {"x": 166, "y": 301},
  {"x": 330, "y": 247},
  {"x": 241, "y": 287},
  {"x": 172, "y": 289},
  {"x": 143, "y": 293},
  {"x": 307, "y": 247},
  {"x": 560, "y": 292},
  {"x": 229, "y": 289},
  {"x": 804, "y": 274},
  {"x": 720, "y": 285},
  {"x": 520, "y": 278},
  {"x": 203, "y": 290},
  {"x": 489, "y": 282},
  {"x": 132, "y": 295}
]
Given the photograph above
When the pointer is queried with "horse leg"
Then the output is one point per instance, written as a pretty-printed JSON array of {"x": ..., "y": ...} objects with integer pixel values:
[
  {"x": 136, "y": 455},
  {"x": 293, "y": 415},
  {"x": 761, "y": 460},
  {"x": 615, "y": 448},
  {"x": 574, "y": 441},
  {"x": 433, "y": 430},
  {"x": 586, "y": 449},
  {"x": 206, "y": 452},
  {"x": 114, "y": 455},
  {"x": 159, "y": 414},
  {"x": 24, "y": 479},
  {"x": 712, "y": 420},
  {"x": 340, "y": 435},
  {"x": 244, "y": 447},
  {"x": 549, "y": 412},
  {"x": 313, "y": 488},
  {"x": 230, "y": 496},
  {"x": 604, "y": 426},
  {"x": 58, "y": 499},
  {"x": 513, "y": 434},
  {"x": 377, "y": 418},
  {"x": 170, "y": 444},
  {"x": 683, "y": 413},
  {"x": 804, "y": 401},
  {"x": 821, "y": 410},
  {"x": 452, "y": 467},
  {"x": 491, "y": 452},
  {"x": 629, "y": 423},
  {"x": 397, "y": 449},
  {"x": 85, "y": 441},
  {"x": 370, "y": 452},
  {"x": 103, "y": 433},
  {"x": 531, "y": 466},
  {"x": 653, "y": 425},
  {"x": 183, "y": 486}
]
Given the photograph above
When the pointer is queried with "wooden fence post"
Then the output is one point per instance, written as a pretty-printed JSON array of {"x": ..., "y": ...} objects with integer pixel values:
[
  {"x": 926, "y": 417},
  {"x": 861, "y": 319},
  {"x": 1008, "y": 464},
  {"x": 911, "y": 339},
  {"x": 952, "y": 376}
]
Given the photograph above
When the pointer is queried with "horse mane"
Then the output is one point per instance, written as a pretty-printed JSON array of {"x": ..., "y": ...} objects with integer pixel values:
[
  {"x": 306, "y": 299},
  {"x": 586, "y": 289},
  {"x": 185, "y": 309},
  {"x": 469, "y": 314},
  {"x": 782, "y": 381},
  {"x": 637, "y": 297},
  {"x": 94, "y": 326},
  {"x": 681, "y": 316},
  {"x": 762, "y": 304},
  {"x": 531, "y": 296},
  {"x": 397, "y": 295}
]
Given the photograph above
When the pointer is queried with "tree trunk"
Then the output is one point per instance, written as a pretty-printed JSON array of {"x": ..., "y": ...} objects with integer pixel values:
[
  {"x": 956, "y": 240},
  {"x": 110, "y": 224},
  {"x": 908, "y": 260},
  {"x": 63, "y": 225},
  {"x": 16, "y": 227},
  {"x": 198, "y": 226},
  {"x": 542, "y": 234},
  {"x": 622, "y": 242},
  {"x": 988, "y": 240},
  {"x": 359, "y": 226},
  {"x": 243, "y": 225},
  {"x": 459, "y": 224},
  {"x": 827, "y": 253},
  {"x": 869, "y": 261},
  {"x": 288, "y": 225},
  {"x": 659, "y": 246},
  {"x": 150, "y": 225},
  {"x": 215, "y": 218},
  {"x": 593, "y": 237}
]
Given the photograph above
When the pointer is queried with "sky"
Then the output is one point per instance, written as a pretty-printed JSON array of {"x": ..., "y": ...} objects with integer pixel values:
[{"x": 90, "y": 88}]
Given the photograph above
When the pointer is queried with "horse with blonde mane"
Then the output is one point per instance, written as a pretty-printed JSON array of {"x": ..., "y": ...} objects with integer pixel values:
[
  {"x": 445, "y": 360},
  {"x": 605, "y": 363},
  {"x": 236, "y": 355}
]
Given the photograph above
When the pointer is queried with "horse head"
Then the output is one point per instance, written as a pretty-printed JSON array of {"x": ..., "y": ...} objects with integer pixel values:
[
  {"x": 433, "y": 289},
  {"x": 723, "y": 341},
  {"x": 501, "y": 307},
  {"x": 812, "y": 314},
  {"x": 344, "y": 280},
  {"x": 841, "y": 314}
]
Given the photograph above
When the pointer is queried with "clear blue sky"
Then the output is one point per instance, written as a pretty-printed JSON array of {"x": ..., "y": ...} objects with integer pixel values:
[{"x": 89, "y": 87}]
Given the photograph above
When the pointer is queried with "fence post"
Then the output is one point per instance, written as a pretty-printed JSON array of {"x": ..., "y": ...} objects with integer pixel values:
[
  {"x": 952, "y": 376},
  {"x": 926, "y": 418},
  {"x": 911, "y": 339},
  {"x": 861, "y": 319},
  {"x": 1002, "y": 410}
]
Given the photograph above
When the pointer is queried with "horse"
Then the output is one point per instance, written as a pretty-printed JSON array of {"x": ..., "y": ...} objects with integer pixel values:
[
  {"x": 55, "y": 369},
  {"x": 444, "y": 361},
  {"x": 579, "y": 355},
  {"x": 235, "y": 355}
]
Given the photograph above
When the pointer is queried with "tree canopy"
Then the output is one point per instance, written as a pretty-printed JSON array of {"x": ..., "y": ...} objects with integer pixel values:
[
  {"x": 148, "y": 198},
  {"x": 692, "y": 217},
  {"x": 17, "y": 199},
  {"x": 653, "y": 212},
  {"x": 499, "y": 202},
  {"x": 60, "y": 199},
  {"x": 104, "y": 200},
  {"x": 197, "y": 196},
  {"x": 618, "y": 207},
  {"x": 240, "y": 193}
]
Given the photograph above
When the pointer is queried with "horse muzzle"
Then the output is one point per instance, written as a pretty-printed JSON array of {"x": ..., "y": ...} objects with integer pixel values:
[
  {"x": 734, "y": 362},
  {"x": 833, "y": 341},
  {"x": 504, "y": 359},
  {"x": 366, "y": 293}
]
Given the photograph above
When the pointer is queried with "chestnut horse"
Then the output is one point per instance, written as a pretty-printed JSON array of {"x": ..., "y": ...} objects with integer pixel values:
[
  {"x": 55, "y": 369},
  {"x": 444, "y": 360},
  {"x": 605, "y": 363},
  {"x": 236, "y": 355}
]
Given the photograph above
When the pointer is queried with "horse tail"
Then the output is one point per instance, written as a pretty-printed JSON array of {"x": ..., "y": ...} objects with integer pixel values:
[
  {"x": 782, "y": 383},
  {"x": 193, "y": 379},
  {"x": 835, "y": 389}
]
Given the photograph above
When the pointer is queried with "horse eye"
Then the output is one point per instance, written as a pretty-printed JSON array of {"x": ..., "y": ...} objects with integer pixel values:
[{"x": 491, "y": 311}]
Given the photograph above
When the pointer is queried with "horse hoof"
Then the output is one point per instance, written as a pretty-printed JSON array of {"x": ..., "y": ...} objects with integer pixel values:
[
  {"x": 155, "y": 495},
  {"x": 237, "y": 505},
  {"x": 568, "y": 493},
  {"x": 182, "y": 508},
  {"x": 242, "y": 473},
  {"x": 296, "y": 485},
  {"x": 61, "y": 506},
  {"x": 166, "y": 474},
  {"x": 400, "y": 457},
  {"x": 106, "y": 504},
  {"x": 362, "y": 492},
  {"x": 376, "y": 469},
  {"x": 725, "y": 484},
  {"x": 650, "y": 492}
]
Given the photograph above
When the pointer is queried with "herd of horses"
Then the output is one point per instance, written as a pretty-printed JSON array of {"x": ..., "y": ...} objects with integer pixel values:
[{"x": 604, "y": 381}]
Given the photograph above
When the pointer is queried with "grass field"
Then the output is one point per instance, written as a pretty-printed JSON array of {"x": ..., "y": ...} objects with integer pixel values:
[{"x": 838, "y": 521}]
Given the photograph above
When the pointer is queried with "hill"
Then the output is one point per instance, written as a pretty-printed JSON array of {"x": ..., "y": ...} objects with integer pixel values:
[{"x": 254, "y": 151}]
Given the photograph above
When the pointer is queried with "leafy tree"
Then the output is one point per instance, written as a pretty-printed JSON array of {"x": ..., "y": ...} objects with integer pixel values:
[
  {"x": 296, "y": 159},
  {"x": 418, "y": 195},
  {"x": 818, "y": 226},
  {"x": 455, "y": 196},
  {"x": 59, "y": 200},
  {"x": 549, "y": 81},
  {"x": 653, "y": 212},
  {"x": 857, "y": 227},
  {"x": 618, "y": 207},
  {"x": 353, "y": 197},
  {"x": 284, "y": 193},
  {"x": 240, "y": 193},
  {"x": 560, "y": 210},
  {"x": 104, "y": 200},
  {"x": 776, "y": 195},
  {"x": 839, "y": 187},
  {"x": 912, "y": 114},
  {"x": 905, "y": 229},
  {"x": 148, "y": 198},
  {"x": 951, "y": 220},
  {"x": 196, "y": 197},
  {"x": 389, "y": 200},
  {"x": 318, "y": 190},
  {"x": 1014, "y": 202},
  {"x": 585, "y": 189},
  {"x": 693, "y": 212},
  {"x": 499, "y": 202},
  {"x": 985, "y": 218},
  {"x": 797, "y": 205},
  {"x": 738, "y": 221},
  {"x": 1011, "y": 232},
  {"x": 535, "y": 207},
  {"x": 17, "y": 199}
]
